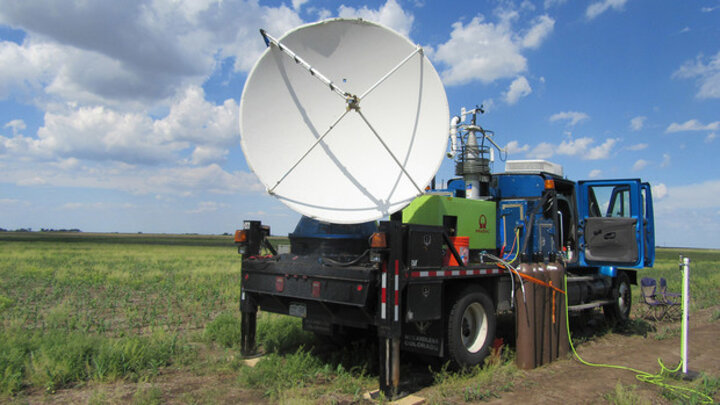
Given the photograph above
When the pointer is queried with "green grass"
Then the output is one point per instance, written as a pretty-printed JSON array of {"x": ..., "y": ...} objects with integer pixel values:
[
  {"x": 626, "y": 395},
  {"x": 704, "y": 274},
  {"x": 104, "y": 307},
  {"x": 302, "y": 374},
  {"x": 54, "y": 359},
  {"x": 87, "y": 308},
  {"x": 481, "y": 383}
]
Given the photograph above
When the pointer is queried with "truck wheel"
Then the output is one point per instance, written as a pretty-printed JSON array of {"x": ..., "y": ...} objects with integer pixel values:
[
  {"x": 471, "y": 327},
  {"x": 619, "y": 310}
]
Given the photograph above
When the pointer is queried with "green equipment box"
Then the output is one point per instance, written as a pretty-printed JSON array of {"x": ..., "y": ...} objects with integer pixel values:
[{"x": 473, "y": 218}]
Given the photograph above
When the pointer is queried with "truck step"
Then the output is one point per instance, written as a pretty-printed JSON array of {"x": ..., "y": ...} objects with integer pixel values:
[
  {"x": 589, "y": 305},
  {"x": 575, "y": 279}
]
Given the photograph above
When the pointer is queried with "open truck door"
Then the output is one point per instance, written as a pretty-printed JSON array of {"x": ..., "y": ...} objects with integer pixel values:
[{"x": 616, "y": 223}]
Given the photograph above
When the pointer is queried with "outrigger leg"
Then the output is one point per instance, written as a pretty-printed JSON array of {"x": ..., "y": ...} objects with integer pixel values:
[{"x": 248, "y": 309}]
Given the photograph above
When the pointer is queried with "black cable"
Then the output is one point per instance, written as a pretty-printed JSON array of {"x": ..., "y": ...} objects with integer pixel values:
[{"x": 327, "y": 260}]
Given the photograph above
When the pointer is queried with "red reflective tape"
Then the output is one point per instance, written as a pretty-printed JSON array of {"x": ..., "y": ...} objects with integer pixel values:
[
  {"x": 415, "y": 274},
  {"x": 397, "y": 267},
  {"x": 383, "y": 296}
]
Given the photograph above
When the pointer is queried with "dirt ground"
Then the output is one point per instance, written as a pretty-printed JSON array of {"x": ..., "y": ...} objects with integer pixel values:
[
  {"x": 569, "y": 381},
  {"x": 564, "y": 381}
]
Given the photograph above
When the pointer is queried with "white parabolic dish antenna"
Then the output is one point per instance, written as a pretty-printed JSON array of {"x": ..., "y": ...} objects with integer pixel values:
[{"x": 344, "y": 121}]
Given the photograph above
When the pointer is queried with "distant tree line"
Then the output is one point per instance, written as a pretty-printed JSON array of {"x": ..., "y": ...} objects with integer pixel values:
[{"x": 41, "y": 230}]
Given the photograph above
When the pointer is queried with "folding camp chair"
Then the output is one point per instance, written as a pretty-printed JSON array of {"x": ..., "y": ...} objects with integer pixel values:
[
  {"x": 672, "y": 300},
  {"x": 655, "y": 307}
]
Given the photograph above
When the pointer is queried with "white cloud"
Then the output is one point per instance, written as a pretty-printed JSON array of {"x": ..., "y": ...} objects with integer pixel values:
[
  {"x": 640, "y": 164},
  {"x": 321, "y": 13},
  {"x": 206, "y": 206},
  {"x": 637, "y": 123},
  {"x": 553, "y": 3},
  {"x": 595, "y": 173},
  {"x": 697, "y": 205},
  {"x": 100, "y": 133},
  {"x": 132, "y": 52},
  {"x": 16, "y": 126},
  {"x": 28, "y": 67},
  {"x": 488, "y": 104},
  {"x": 692, "y": 196},
  {"x": 137, "y": 179},
  {"x": 692, "y": 125},
  {"x": 601, "y": 151},
  {"x": 542, "y": 27},
  {"x": 514, "y": 147},
  {"x": 85, "y": 206},
  {"x": 389, "y": 14},
  {"x": 203, "y": 155},
  {"x": 637, "y": 147},
  {"x": 600, "y": 7},
  {"x": 297, "y": 4},
  {"x": 581, "y": 147},
  {"x": 487, "y": 51},
  {"x": 706, "y": 74},
  {"x": 666, "y": 160},
  {"x": 660, "y": 191},
  {"x": 573, "y": 117},
  {"x": 31, "y": 181},
  {"x": 574, "y": 147},
  {"x": 711, "y": 137},
  {"x": 518, "y": 89},
  {"x": 543, "y": 150}
]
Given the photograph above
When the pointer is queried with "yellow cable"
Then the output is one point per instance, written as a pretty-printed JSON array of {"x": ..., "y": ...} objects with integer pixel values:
[{"x": 657, "y": 379}]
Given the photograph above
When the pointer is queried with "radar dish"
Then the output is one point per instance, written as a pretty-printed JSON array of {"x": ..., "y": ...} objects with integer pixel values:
[{"x": 344, "y": 121}]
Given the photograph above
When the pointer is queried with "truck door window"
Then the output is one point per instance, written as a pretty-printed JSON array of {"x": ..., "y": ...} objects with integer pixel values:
[{"x": 610, "y": 200}]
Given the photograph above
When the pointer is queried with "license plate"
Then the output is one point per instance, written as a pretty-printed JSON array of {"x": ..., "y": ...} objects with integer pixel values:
[{"x": 299, "y": 310}]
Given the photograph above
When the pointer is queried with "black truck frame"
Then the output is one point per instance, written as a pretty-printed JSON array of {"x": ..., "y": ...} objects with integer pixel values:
[{"x": 398, "y": 290}]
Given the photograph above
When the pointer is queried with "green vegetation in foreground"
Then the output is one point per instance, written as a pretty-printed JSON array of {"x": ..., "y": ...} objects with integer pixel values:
[
  {"x": 480, "y": 383},
  {"x": 630, "y": 395},
  {"x": 101, "y": 307},
  {"x": 704, "y": 274}
]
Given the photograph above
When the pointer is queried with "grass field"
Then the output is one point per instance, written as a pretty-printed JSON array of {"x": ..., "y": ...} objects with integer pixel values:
[{"x": 78, "y": 309}]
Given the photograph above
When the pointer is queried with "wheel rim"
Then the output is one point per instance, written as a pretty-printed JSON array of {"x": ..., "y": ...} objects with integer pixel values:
[
  {"x": 474, "y": 327},
  {"x": 623, "y": 300}
]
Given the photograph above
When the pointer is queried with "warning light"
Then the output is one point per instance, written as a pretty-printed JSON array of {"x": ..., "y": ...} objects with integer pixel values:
[{"x": 378, "y": 240}]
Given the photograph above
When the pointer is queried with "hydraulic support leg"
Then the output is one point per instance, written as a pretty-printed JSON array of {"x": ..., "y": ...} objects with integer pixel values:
[
  {"x": 389, "y": 366},
  {"x": 248, "y": 309}
]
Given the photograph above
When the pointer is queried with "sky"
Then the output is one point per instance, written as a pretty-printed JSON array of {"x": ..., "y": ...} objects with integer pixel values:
[{"x": 123, "y": 116}]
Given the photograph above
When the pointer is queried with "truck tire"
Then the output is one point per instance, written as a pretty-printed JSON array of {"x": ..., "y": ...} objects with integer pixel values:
[
  {"x": 471, "y": 327},
  {"x": 619, "y": 311}
]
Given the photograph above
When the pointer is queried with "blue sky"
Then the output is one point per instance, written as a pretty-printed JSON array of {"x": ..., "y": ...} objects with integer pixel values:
[{"x": 123, "y": 116}]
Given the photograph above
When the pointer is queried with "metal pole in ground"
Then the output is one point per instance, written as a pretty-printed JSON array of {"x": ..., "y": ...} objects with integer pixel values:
[
  {"x": 686, "y": 374},
  {"x": 686, "y": 305}
]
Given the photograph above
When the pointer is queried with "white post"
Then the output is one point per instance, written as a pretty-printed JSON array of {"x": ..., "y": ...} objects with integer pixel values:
[{"x": 686, "y": 305}]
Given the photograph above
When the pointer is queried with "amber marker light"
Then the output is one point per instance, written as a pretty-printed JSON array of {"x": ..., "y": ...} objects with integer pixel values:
[
  {"x": 549, "y": 184},
  {"x": 240, "y": 236},
  {"x": 377, "y": 240}
]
